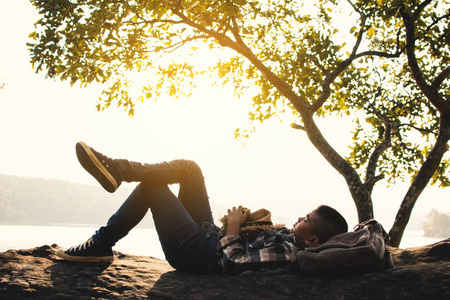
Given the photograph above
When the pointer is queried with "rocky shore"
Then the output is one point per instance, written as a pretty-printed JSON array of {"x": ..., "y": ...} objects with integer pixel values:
[{"x": 419, "y": 273}]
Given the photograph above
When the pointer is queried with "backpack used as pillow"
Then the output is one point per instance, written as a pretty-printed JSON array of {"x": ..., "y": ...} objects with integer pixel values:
[{"x": 360, "y": 251}]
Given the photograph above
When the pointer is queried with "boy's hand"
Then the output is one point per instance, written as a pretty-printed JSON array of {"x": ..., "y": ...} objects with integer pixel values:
[{"x": 235, "y": 218}]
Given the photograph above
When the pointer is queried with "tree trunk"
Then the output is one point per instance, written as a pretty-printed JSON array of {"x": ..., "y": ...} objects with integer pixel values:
[
  {"x": 420, "y": 182},
  {"x": 361, "y": 196}
]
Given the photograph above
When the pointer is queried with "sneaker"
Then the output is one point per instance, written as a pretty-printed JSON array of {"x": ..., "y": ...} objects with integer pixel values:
[
  {"x": 89, "y": 251},
  {"x": 103, "y": 168}
]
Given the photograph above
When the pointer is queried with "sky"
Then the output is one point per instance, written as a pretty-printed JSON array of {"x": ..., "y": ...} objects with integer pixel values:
[{"x": 278, "y": 169}]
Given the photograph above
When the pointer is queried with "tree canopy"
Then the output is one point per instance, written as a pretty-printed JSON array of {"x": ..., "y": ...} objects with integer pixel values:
[{"x": 388, "y": 70}]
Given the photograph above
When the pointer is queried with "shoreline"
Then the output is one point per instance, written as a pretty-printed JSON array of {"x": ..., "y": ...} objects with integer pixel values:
[{"x": 63, "y": 225}]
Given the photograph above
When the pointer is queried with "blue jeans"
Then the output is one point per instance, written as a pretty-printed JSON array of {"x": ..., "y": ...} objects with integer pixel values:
[{"x": 184, "y": 223}]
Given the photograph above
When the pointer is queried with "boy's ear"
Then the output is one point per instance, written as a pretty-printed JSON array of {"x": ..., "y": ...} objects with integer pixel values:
[{"x": 312, "y": 241}]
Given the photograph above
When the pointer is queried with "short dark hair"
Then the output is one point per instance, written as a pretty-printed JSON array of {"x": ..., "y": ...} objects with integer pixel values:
[{"x": 329, "y": 223}]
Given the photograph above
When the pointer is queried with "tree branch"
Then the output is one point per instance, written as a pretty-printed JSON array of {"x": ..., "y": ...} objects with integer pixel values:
[
  {"x": 317, "y": 63},
  {"x": 223, "y": 39},
  {"x": 378, "y": 53},
  {"x": 437, "y": 20},
  {"x": 151, "y": 22},
  {"x": 373, "y": 161},
  {"x": 330, "y": 77},
  {"x": 440, "y": 78},
  {"x": 429, "y": 92},
  {"x": 419, "y": 183},
  {"x": 297, "y": 126},
  {"x": 239, "y": 46},
  {"x": 235, "y": 31},
  {"x": 419, "y": 129},
  {"x": 174, "y": 47},
  {"x": 361, "y": 29},
  {"x": 420, "y": 9},
  {"x": 369, "y": 184}
]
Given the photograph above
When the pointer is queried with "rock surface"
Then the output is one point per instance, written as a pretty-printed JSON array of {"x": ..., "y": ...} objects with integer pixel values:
[{"x": 419, "y": 273}]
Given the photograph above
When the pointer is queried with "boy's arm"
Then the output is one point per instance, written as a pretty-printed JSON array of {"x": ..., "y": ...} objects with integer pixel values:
[
  {"x": 237, "y": 257},
  {"x": 234, "y": 258},
  {"x": 235, "y": 218},
  {"x": 232, "y": 246}
]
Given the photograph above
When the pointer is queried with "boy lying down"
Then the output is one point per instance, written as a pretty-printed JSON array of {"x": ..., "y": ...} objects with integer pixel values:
[{"x": 184, "y": 223}]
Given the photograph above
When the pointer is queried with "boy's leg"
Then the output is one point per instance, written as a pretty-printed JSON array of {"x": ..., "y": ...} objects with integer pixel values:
[
  {"x": 183, "y": 240},
  {"x": 111, "y": 172},
  {"x": 99, "y": 246},
  {"x": 187, "y": 173},
  {"x": 130, "y": 213},
  {"x": 187, "y": 245},
  {"x": 192, "y": 204}
]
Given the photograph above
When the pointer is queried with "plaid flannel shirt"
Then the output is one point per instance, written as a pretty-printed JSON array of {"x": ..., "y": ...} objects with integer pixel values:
[{"x": 264, "y": 250}]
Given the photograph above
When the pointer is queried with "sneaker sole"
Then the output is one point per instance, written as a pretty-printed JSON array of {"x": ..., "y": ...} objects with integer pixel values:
[
  {"x": 94, "y": 167},
  {"x": 84, "y": 258}
]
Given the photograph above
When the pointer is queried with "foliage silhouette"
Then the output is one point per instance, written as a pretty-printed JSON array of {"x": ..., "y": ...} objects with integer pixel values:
[{"x": 392, "y": 79}]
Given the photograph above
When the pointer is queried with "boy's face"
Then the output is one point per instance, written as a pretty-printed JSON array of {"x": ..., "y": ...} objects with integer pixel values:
[{"x": 302, "y": 229}]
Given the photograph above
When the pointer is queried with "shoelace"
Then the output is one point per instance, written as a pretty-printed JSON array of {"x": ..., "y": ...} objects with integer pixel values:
[
  {"x": 83, "y": 246},
  {"x": 104, "y": 159}
]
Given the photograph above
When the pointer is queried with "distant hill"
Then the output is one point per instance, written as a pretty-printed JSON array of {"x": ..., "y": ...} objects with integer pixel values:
[
  {"x": 437, "y": 224},
  {"x": 35, "y": 201}
]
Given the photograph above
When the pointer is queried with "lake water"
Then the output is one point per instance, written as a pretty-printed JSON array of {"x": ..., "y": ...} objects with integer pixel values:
[{"x": 140, "y": 241}]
